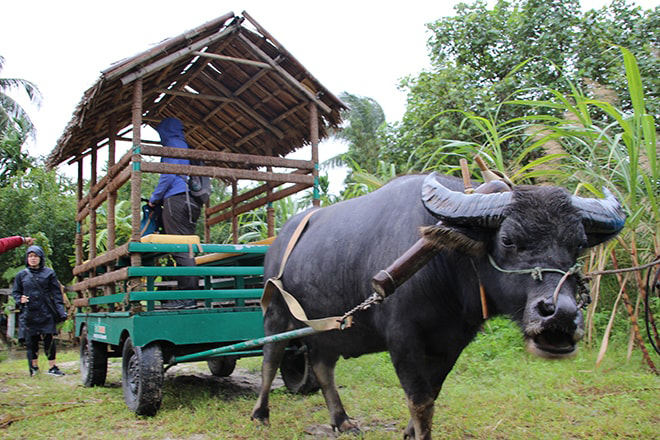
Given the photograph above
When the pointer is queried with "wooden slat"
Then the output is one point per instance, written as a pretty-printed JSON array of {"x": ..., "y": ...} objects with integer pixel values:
[
  {"x": 257, "y": 203},
  {"x": 101, "y": 280},
  {"x": 224, "y": 173},
  {"x": 102, "y": 260},
  {"x": 286, "y": 75},
  {"x": 220, "y": 156},
  {"x": 233, "y": 59}
]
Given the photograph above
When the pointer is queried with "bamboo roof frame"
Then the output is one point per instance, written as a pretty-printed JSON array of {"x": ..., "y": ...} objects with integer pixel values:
[
  {"x": 235, "y": 89},
  {"x": 245, "y": 103}
]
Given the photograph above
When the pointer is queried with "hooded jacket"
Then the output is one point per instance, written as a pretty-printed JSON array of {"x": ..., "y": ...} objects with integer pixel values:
[
  {"x": 36, "y": 315},
  {"x": 171, "y": 135}
]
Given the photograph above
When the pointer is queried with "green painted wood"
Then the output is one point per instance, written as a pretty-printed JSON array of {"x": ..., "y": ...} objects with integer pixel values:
[
  {"x": 161, "y": 295},
  {"x": 293, "y": 334},
  {"x": 206, "y": 248},
  {"x": 147, "y": 271},
  {"x": 178, "y": 327},
  {"x": 196, "y": 294}
]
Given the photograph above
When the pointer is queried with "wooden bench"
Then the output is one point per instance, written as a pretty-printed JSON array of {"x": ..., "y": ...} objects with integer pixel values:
[{"x": 219, "y": 256}]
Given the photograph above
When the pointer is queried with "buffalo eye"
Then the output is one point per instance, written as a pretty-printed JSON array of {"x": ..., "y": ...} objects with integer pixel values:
[
  {"x": 581, "y": 246},
  {"x": 508, "y": 243}
]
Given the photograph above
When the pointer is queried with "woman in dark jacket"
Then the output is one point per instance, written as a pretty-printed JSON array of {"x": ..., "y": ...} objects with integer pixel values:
[{"x": 37, "y": 292}]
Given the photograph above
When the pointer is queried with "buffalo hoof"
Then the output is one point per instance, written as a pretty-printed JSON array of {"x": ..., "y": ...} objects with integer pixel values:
[
  {"x": 409, "y": 432},
  {"x": 261, "y": 416},
  {"x": 348, "y": 427}
]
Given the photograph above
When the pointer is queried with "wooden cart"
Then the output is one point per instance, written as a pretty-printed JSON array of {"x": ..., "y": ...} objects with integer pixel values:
[{"x": 245, "y": 103}]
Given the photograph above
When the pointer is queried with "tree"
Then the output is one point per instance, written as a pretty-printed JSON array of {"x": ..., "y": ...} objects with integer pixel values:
[
  {"x": 39, "y": 202},
  {"x": 12, "y": 115},
  {"x": 363, "y": 132},
  {"x": 482, "y": 57},
  {"x": 12, "y": 159},
  {"x": 15, "y": 126}
]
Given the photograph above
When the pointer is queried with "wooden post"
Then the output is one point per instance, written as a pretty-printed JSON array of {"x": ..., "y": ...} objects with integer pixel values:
[
  {"x": 112, "y": 198},
  {"x": 234, "y": 217},
  {"x": 207, "y": 226},
  {"x": 136, "y": 178},
  {"x": 314, "y": 136},
  {"x": 79, "y": 195},
  {"x": 112, "y": 195},
  {"x": 270, "y": 210},
  {"x": 92, "y": 212}
]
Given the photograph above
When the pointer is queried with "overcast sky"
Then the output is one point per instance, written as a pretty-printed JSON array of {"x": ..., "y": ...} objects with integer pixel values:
[{"x": 359, "y": 46}]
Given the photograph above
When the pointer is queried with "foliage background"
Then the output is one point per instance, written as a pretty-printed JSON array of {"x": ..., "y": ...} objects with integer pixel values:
[{"x": 541, "y": 90}]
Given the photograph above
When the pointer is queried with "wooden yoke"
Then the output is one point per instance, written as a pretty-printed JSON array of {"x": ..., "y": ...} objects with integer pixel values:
[{"x": 386, "y": 281}]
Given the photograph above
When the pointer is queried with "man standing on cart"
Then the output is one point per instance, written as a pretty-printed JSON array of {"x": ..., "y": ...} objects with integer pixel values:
[{"x": 180, "y": 209}]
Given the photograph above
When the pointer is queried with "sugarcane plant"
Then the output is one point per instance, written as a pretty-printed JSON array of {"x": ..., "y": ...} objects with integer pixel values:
[{"x": 609, "y": 146}]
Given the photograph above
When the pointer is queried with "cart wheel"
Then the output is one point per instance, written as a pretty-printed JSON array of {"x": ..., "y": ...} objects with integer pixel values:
[
  {"x": 142, "y": 377},
  {"x": 297, "y": 371},
  {"x": 93, "y": 360},
  {"x": 222, "y": 366}
]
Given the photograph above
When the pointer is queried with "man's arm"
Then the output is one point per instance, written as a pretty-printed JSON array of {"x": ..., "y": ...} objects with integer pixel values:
[{"x": 9, "y": 243}]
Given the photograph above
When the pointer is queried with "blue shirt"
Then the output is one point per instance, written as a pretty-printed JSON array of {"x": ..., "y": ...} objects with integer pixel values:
[{"x": 171, "y": 135}]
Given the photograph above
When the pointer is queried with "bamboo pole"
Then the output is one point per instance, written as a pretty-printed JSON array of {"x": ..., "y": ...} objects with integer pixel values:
[
  {"x": 234, "y": 215},
  {"x": 79, "y": 196},
  {"x": 220, "y": 156},
  {"x": 119, "y": 69},
  {"x": 250, "y": 194},
  {"x": 224, "y": 173},
  {"x": 257, "y": 203},
  {"x": 120, "y": 274},
  {"x": 232, "y": 59},
  {"x": 105, "y": 180},
  {"x": 92, "y": 214},
  {"x": 314, "y": 136},
  {"x": 167, "y": 60},
  {"x": 294, "y": 83},
  {"x": 112, "y": 195},
  {"x": 270, "y": 211},
  {"x": 117, "y": 183},
  {"x": 105, "y": 259},
  {"x": 136, "y": 177},
  {"x": 112, "y": 199}
]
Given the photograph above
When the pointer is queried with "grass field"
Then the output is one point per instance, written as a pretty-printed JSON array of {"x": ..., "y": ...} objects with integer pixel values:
[{"x": 496, "y": 390}]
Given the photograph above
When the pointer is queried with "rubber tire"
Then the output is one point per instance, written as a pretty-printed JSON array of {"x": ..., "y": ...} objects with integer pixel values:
[
  {"x": 93, "y": 360},
  {"x": 142, "y": 377},
  {"x": 296, "y": 370},
  {"x": 222, "y": 366}
]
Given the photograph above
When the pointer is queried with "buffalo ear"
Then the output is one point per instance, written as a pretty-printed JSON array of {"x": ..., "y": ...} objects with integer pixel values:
[{"x": 454, "y": 238}]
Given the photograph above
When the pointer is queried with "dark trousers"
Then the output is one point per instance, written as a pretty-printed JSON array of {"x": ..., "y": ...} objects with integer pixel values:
[
  {"x": 180, "y": 214},
  {"x": 32, "y": 345}
]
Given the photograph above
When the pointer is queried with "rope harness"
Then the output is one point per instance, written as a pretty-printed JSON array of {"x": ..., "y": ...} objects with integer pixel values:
[
  {"x": 275, "y": 284},
  {"x": 537, "y": 275}
]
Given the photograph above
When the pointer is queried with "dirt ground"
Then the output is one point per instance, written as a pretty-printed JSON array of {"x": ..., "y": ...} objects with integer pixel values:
[{"x": 241, "y": 382}]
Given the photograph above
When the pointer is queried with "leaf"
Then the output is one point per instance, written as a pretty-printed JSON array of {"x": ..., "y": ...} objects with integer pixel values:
[
  {"x": 606, "y": 337},
  {"x": 634, "y": 81}
]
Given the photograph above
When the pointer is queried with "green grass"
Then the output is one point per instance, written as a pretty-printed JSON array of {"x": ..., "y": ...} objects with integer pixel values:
[{"x": 496, "y": 390}]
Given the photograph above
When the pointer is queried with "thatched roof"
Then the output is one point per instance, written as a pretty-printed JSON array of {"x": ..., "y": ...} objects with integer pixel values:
[{"x": 235, "y": 89}]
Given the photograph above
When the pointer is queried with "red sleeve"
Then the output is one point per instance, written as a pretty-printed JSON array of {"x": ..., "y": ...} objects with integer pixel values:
[{"x": 9, "y": 243}]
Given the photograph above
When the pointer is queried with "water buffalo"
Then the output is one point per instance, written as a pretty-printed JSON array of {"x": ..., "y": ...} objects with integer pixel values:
[{"x": 498, "y": 241}]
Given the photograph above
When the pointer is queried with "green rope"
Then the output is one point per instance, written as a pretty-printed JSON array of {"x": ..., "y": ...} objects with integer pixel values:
[{"x": 535, "y": 272}]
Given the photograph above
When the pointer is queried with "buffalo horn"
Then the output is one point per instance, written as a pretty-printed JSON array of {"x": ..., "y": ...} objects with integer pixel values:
[
  {"x": 601, "y": 216},
  {"x": 454, "y": 207}
]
